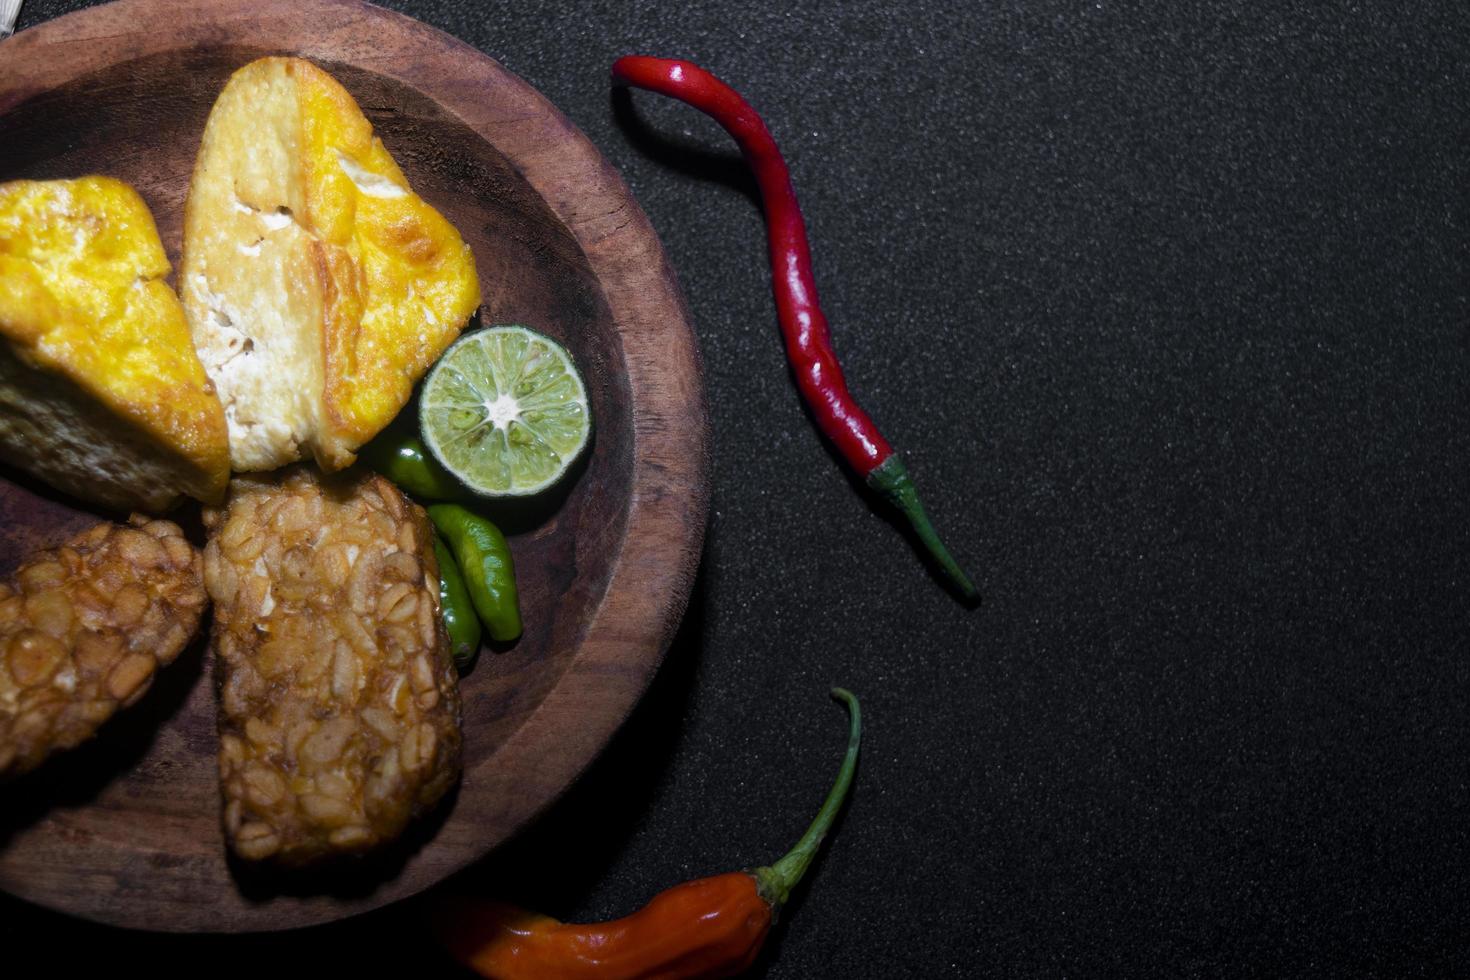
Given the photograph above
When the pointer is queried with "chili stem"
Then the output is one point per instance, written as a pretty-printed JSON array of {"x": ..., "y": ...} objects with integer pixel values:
[
  {"x": 779, "y": 879},
  {"x": 891, "y": 478}
]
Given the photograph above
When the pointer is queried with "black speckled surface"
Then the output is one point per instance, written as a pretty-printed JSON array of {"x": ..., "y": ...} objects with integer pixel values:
[{"x": 1168, "y": 305}]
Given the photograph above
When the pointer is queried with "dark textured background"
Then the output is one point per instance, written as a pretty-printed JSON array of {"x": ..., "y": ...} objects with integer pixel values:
[{"x": 1168, "y": 305}]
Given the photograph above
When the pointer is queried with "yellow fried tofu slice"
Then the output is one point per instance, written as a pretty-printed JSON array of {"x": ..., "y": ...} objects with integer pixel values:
[
  {"x": 318, "y": 286},
  {"x": 101, "y": 392}
]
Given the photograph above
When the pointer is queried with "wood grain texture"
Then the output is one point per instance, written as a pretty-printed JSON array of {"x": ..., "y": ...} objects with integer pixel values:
[{"x": 126, "y": 830}]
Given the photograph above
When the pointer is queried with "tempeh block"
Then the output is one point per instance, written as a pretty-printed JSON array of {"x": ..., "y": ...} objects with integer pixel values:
[
  {"x": 339, "y": 702},
  {"x": 84, "y": 627}
]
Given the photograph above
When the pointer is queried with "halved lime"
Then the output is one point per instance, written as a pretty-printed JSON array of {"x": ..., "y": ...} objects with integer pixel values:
[{"x": 505, "y": 411}]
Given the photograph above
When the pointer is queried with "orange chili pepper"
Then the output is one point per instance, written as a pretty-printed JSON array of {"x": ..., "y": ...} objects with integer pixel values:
[{"x": 711, "y": 927}]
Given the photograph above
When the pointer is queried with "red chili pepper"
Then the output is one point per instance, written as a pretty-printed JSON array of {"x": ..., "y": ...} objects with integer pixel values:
[
  {"x": 711, "y": 927},
  {"x": 808, "y": 341}
]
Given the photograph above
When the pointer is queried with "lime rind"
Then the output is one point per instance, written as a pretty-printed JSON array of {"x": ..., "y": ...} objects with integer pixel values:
[{"x": 505, "y": 411}]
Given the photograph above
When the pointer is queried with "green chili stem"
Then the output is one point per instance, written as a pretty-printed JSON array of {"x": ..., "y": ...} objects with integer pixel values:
[
  {"x": 892, "y": 479},
  {"x": 779, "y": 879}
]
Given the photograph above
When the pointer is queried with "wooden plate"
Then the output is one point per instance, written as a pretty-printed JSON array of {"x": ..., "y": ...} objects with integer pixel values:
[{"x": 126, "y": 830}]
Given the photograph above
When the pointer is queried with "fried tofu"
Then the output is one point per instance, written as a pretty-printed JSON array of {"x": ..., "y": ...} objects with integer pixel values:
[
  {"x": 101, "y": 392},
  {"x": 318, "y": 286},
  {"x": 83, "y": 630},
  {"x": 339, "y": 702}
]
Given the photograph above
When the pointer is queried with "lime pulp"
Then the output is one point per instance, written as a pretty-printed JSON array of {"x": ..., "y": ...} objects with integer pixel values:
[{"x": 505, "y": 411}]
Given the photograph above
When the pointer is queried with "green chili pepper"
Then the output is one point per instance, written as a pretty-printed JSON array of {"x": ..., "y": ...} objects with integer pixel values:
[
  {"x": 484, "y": 557},
  {"x": 401, "y": 456},
  {"x": 455, "y": 606}
]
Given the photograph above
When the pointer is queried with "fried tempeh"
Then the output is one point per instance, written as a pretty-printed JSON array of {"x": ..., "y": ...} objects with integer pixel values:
[
  {"x": 339, "y": 704},
  {"x": 84, "y": 627}
]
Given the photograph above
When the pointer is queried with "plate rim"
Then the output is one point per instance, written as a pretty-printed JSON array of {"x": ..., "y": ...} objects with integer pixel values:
[{"x": 670, "y": 480}]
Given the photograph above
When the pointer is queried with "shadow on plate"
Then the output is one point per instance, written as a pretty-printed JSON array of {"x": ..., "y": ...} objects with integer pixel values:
[
  {"x": 75, "y": 778},
  {"x": 557, "y": 861},
  {"x": 349, "y": 877}
]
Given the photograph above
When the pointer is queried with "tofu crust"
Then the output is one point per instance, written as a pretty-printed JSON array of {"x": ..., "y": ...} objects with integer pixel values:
[
  {"x": 318, "y": 286},
  {"x": 101, "y": 392}
]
